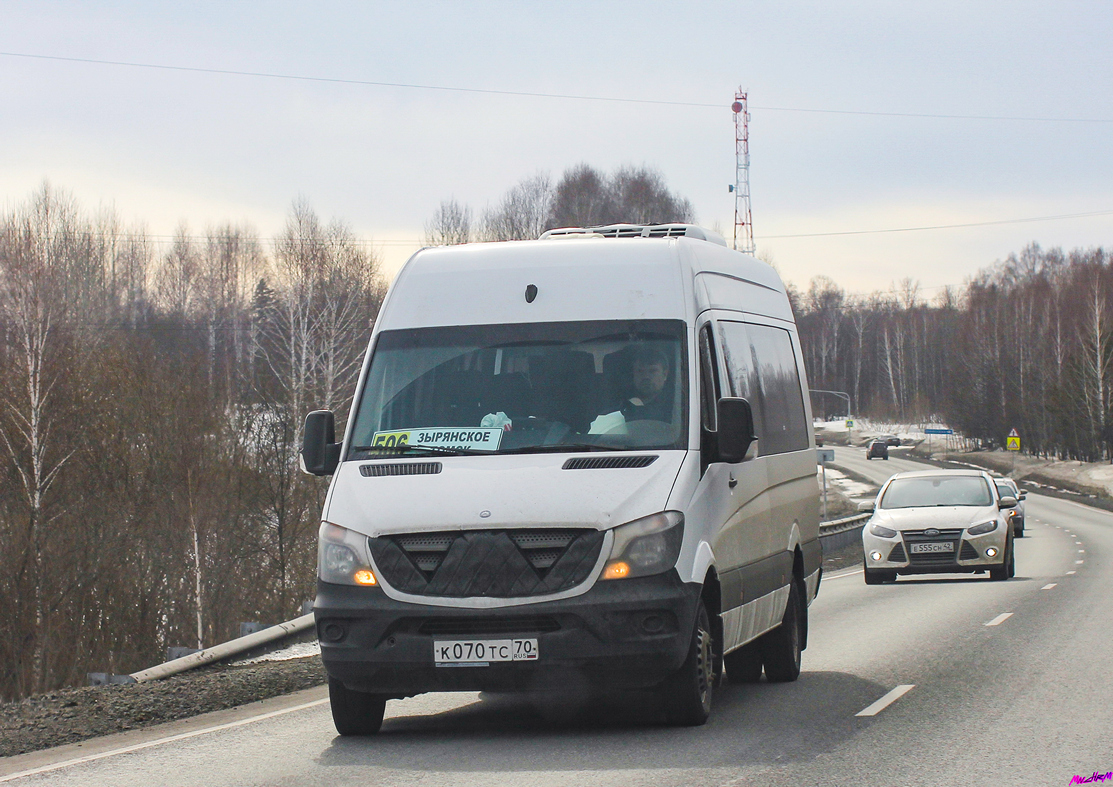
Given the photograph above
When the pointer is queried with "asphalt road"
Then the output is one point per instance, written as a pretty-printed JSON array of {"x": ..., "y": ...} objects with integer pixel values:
[{"x": 1010, "y": 684}]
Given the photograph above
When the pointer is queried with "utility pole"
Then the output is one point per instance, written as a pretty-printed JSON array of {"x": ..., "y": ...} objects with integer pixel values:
[{"x": 743, "y": 221}]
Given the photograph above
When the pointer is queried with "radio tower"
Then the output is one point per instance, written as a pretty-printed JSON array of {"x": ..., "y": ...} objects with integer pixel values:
[{"x": 743, "y": 222}]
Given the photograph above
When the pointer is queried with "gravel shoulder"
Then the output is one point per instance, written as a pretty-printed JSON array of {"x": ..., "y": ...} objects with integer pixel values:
[{"x": 77, "y": 714}]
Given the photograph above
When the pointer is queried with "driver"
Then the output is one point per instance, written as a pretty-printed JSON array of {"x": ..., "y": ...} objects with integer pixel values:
[{"x": 651, "y": 400}]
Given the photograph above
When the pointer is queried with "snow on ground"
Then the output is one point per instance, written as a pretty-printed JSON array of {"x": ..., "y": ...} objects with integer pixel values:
[
  {"x": 296, "y": 651},
  {"x": 848, "y": 486},
  {"x": 1096, "y": 475}
]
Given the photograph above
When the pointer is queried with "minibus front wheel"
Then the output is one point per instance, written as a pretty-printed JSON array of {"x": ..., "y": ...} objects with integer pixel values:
[
  {"x": 355, "y": 712},
  {"x": 687, "y": 692}
]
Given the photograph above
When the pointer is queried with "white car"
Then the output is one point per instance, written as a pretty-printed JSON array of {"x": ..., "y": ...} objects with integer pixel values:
[{"x": 938, "y": 522}]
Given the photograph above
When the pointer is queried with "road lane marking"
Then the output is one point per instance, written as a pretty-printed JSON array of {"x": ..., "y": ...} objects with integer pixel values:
[
  {"x": 1082, "y": 551},
  {"x": 1071, "y": 572},
  {"x": 886, "y": 701},
  {"x": 1079, "y": 562},
  {"x": 159, "y": 742},
  {"x": 1078, "y": 542},
  {"x": 1049, "y": 586},
  {"x": 853, "y": 573},
  {"x": 997, "y": 621}
]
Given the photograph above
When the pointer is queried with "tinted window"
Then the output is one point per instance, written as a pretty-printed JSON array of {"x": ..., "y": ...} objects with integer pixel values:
[
  {"x": 768, "y": 376},
  {"x": 709, "y": 379}
]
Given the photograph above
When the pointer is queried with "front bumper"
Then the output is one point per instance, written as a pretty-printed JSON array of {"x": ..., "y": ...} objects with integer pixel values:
[
  {"x": 619, "y": 634},
  {"x": 969, "y": 554}
]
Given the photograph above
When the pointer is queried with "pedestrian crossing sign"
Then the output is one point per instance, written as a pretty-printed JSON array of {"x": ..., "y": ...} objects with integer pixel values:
[{"x": 1012, "y": 443}]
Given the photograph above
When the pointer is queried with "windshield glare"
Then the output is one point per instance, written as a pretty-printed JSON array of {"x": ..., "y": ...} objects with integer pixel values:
[
  {"x": 954, "y": 491},
  {"x": 528, "y": 387}
]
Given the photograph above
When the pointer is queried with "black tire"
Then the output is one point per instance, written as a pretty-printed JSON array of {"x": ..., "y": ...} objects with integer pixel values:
[
  {"x": 355, "y": 712},
  {"x": 1007, "y": 568},
  {"x": 744, "y": 664},
  {"x": 782, "y": 648},
  {"x": 1018, "y": 530},
  {"x": 878, "y": 577},
  {"x": 687, "y": 692}
]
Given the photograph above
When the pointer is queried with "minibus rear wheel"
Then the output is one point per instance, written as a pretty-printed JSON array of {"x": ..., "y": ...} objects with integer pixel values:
[
  {"x": 781, "y": 647},
  {"x": 687, "y": 692},
  {"x": 355, "y": 712}
]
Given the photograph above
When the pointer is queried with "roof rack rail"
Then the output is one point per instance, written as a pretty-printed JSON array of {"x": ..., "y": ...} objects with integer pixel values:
[{"x": 637, "y": 231}]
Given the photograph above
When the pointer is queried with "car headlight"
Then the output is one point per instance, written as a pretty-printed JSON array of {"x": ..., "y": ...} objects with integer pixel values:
[
  {"x": 646, "y": 546},
  {"x": 984, "y": 527},
  {"x": 340, "y": 556},
  {"x": 882, "y": 532}
]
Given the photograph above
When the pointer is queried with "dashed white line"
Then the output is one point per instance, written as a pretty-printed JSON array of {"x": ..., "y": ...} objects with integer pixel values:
[
  {"x": 886, "y": 701},
  {"x": 1071, "y": 572},
  {"x": 1082, "y": 551},
  {"x": 1079, "y": 562},
  {"x": 1049, "y": 586},
  {"x": 997, "y": 621},
  {"x": 1078, "y": 542}
]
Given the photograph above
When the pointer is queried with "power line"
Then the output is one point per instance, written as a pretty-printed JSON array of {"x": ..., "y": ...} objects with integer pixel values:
[
  {"x": 941, "y": 226},
  {"x": 533, "y": 94}
]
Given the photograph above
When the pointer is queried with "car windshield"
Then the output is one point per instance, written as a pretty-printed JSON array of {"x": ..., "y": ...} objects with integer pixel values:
[
  {"x": 939, "y": 491},
  {"x": 524, "y": 388},
  {"x": 1004, "y": 490}
]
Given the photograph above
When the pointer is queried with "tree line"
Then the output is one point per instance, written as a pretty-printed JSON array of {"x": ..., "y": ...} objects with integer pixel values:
[
  {"x": 1025, "y": 344},
  {"x": 150, "y": 403}
]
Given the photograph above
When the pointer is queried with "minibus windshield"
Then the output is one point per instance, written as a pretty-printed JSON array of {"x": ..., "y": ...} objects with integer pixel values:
[{"x": 525, "y": 388}]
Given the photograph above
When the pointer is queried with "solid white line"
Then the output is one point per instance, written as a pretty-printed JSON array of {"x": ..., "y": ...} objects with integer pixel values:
[
  {"x": 853, "y": 573},
  {"x": 997, "y": 621},
  {"x": 886, "y": 701},
  {"x": 160, "y": 741},
  {"x": 1049, "y": 586}
]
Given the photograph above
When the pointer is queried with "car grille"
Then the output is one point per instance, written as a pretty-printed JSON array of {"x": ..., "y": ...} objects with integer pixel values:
[
  {"x": 490, "y": 563},
  {"x": 968, "y": 552},
  {"x": 897, "y": 554},
  {"x": 479, "y": 626},
  {"x": 933, "y": 558}
]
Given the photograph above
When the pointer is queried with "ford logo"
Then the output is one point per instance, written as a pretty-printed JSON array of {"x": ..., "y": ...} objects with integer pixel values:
[{"x": 931, "y": 532}]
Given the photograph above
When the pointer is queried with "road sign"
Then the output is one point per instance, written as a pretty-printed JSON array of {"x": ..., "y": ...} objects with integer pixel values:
[
  {"x": 824, "y": 455},
  {"x": 849, "y": 423},
  {"x": 938, "y": 431},
  {"x": 1013, "y": 432},
  {"x": 1012, "y": 443}
]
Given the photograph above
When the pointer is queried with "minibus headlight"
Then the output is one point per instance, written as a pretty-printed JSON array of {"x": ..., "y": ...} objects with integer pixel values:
[
  {"x": 984, "y": 527},
  {"x": 341, "y": 557},
  {"x": 646, "y": 546}
]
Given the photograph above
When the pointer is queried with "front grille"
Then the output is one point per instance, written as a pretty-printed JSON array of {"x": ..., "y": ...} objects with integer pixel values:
[
  {"x": 607, "y": 462},
  {"x": 490, "y": 563},
  {"x": 951, "y": 535},
  {"x": 481, "y": 626},
  {"x": 400, "y": 468},
  {"x": 968, "y": 552},
  {"x": 897, "y": 555}
]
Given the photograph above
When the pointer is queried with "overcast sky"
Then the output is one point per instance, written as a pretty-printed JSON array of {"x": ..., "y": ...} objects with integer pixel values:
[{"x": 162, "y": 146}]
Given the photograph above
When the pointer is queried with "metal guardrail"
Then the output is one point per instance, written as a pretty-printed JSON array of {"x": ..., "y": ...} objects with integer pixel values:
[
  {"x": 268, "y": 636},
  {"x": 836, "y": 526}
]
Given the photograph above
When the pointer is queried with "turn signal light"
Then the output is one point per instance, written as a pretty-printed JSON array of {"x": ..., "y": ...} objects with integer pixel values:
[
  {"x": 365, "y": 577},
  {"x": 616, "y": 570}
]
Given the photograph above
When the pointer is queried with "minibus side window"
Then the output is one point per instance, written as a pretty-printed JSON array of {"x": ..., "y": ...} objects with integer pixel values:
[
  {"x": 709, "y": 380},
  {"x": 785, "y": 426},
  {"x": 742, "y": 374}
]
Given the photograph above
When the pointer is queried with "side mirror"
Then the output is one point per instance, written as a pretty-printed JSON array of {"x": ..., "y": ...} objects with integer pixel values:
[
  {"x": 867, "y": 506},
  {"x": 737, "y": 441},
  {"x": 1023, "y": 495},
  {"x": 320, "y": 453},
  {"x": 1006, "y": 502}
]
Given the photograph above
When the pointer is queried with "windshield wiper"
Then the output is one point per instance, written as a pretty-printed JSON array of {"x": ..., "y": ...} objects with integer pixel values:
[
  {"x": 562, "y": 447},
  {"x": 405, "y": 450}
]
